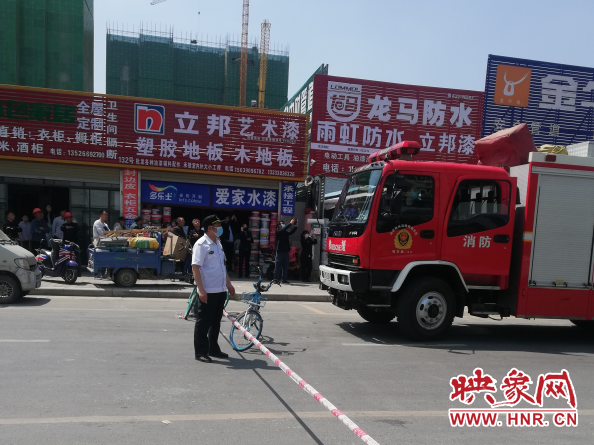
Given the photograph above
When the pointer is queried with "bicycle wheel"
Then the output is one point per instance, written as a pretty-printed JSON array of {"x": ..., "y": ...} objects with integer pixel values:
[
  {"x": 252, "y": 322},
  {"x": 191, "y": 305},
  {"x": 226, "y": 301}
]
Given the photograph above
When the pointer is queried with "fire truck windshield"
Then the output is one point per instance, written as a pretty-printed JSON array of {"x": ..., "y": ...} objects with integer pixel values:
[{"x": 356, "y": 199}]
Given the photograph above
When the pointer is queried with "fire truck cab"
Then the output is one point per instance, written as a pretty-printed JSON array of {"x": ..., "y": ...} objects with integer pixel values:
[{"x": 422, "y": 241}]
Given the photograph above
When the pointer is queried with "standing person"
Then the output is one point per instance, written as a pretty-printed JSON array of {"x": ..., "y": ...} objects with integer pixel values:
[
  {"x": 121, "y": 224},
  {"x": 283, "y": 246},
  {"x": 48, "y": 217},
  {"x": 307, "y": 243},
  {"x": 179, "y": 228},
  {"x": 245, "y": 245},
  {"x": 11, "y": 227},
  {"x": 173, "y": 224},
  {"x": 69, "y": 229},
  {"x": 212, "y": 282},
  {"x": 39, "y": 229},
  {"x": 138, "y": 223},
  {"x": 179, "y": 231},
  {"x": 25, "y": 234},
  {"x": 228, "y": 240},
  {"x": 194, "y": 234},
  {"x": 100, "y": 226},
  {"x": 57, "y": 225}
]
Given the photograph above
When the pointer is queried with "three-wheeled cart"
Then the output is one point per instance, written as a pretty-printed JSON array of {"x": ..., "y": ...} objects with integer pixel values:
[{"x": 125, "y": 265}]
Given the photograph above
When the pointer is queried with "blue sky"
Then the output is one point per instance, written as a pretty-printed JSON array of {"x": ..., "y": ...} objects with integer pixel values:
[{"x": 430, "y": 42}]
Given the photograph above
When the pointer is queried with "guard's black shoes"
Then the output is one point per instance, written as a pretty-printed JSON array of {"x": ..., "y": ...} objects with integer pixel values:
[
  {"x": 204, "y": 358},
  {"x": 220, "y": 355}
]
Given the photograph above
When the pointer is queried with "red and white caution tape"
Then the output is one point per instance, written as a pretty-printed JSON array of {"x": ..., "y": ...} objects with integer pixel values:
[{"x": 308, "y": 388}]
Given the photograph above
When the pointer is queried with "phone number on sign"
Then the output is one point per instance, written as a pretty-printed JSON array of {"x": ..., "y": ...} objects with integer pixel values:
[
  {"x": 86, "y": 154},
  {"x": 280, "y": 173}
]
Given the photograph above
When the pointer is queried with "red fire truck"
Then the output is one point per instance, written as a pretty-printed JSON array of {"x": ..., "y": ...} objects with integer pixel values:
[{"x": 422, "y": 241}]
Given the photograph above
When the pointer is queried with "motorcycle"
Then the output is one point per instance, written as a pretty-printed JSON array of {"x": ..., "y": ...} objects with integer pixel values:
[
  {"x": 270, "y": 259},
  {"x": 60, "y": 261}
]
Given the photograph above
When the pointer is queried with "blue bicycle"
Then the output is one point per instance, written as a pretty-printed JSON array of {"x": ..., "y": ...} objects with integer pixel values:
[{"x": 251, "y": 320}]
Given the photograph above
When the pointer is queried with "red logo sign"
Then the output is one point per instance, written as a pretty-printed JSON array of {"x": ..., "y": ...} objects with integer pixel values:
[{"x": 149, "y": 119}]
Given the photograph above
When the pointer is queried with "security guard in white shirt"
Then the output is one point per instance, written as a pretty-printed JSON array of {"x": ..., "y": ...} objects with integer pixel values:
[{"x": 212, "y": 281}]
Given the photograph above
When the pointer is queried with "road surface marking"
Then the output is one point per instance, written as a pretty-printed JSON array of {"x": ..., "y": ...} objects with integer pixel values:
[
  {"x": 229, "y": 416},
  {"x": 24, "y": 341},
  {"x": 313, "y": 309},
  {"x": 428, "y": 345},
  {"x": 211, "y": 417}
]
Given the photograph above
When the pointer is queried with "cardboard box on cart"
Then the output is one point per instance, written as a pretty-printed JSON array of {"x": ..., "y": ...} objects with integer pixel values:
[{"x": 177, "y": 247}]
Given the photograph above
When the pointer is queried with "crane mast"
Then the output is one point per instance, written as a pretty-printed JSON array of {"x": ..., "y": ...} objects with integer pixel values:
[
  {"x": 264, "y": 45},
  {"x": 244, "y": 52}
]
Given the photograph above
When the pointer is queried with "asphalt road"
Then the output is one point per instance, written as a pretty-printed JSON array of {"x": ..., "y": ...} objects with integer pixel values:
[{"x": 110, "y": 371}]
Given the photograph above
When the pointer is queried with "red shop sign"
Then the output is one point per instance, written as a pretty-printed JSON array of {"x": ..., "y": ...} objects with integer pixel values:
[
  {"x": 62, "y": 126},
  {"x": 353, "y": 118},
  {"x": 130, "y": 195}
]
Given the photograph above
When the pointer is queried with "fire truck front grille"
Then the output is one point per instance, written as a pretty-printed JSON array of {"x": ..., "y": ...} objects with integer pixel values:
[{"x": 342, "y": 261}]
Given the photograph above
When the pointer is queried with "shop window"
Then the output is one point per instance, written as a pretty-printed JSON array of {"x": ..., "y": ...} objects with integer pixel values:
[
  {"x": 100, "y": 199},
  {"x": 479, "y": 206},
  {"x": 405, "y": 199},
  {"x": 79, "y": 197}
]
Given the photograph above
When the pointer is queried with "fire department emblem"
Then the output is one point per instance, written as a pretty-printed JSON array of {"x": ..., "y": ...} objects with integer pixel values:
[
  {"x": 344, "y": 101},
  {"x": 403, "y": 239}
]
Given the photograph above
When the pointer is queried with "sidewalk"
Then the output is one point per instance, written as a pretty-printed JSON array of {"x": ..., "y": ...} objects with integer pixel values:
[{"x": 88, "y": 286}]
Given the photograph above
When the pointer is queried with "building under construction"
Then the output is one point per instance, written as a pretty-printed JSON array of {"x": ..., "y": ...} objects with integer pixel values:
[
  {"x": 47, "y": 44},
  {"x": 157, "y": 64}
]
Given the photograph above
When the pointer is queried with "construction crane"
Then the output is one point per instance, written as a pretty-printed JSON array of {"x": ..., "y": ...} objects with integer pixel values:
[
  {"x": 244, "y": 52},
  {"x": 264, "y": 44}
]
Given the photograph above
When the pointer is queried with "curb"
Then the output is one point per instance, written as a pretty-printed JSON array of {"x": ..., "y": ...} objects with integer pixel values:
[{"x": 149, "y": 293}]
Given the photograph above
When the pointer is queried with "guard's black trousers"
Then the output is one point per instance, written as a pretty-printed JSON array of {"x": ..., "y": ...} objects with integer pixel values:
[{"x": 208, "y": 324}]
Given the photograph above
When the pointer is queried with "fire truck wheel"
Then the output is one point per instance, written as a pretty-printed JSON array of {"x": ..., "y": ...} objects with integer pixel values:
[
  {"x": 584, "y": 324},
  {"x": 372, "y": 316},
  {"x": 425, "y": 309}
]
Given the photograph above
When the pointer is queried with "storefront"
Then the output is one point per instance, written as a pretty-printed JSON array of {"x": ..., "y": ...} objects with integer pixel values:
[
  {"x": 85, "y": 153},
  {"x": 84, "y": 191}
]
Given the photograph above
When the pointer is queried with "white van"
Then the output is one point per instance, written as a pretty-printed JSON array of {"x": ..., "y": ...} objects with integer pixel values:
[{"x": 19, "y": 273}]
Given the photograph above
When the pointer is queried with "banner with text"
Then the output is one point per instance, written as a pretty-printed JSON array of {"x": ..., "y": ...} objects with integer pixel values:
[
  {"x": 60, "y": 126},
  {"x": 244, "y": 198},
  {"x": 354, "y": 118},
  {"x": 288, "y": 199},
  {"x": 555, "y": 101},
  {"x": 130, "y": 194}
]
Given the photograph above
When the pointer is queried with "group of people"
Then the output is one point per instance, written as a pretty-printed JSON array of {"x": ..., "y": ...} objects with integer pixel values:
[
  {"x": 43, "y": 227},
  {"x": 235, "y": 233},
  {"x": 283, "y": 249}
]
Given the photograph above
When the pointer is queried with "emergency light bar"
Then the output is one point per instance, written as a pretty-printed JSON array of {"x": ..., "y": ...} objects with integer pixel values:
[{"x": 403, "y": 150}]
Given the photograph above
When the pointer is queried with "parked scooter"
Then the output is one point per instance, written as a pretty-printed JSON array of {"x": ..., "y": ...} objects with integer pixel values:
[
  {"x": 270, "y": 260},
  {"x": 60, "y": 261}
]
